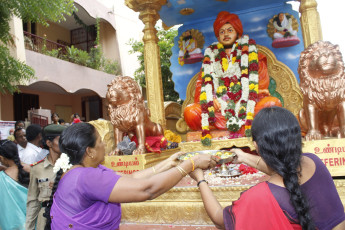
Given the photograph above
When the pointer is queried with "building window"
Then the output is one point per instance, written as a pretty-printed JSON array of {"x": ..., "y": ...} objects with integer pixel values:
[{"x": 84, "y": 39}]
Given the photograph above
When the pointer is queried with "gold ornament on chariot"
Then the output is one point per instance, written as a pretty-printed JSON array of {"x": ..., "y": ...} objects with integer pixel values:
[{"x": 186, "y": 11}]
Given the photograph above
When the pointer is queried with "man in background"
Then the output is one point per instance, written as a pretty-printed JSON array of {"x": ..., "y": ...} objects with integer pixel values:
[
  {"x": 21, "y": 141},
  {"x": 33, "y": 148}
]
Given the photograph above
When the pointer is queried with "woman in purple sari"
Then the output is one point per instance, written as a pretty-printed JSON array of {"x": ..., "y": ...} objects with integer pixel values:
[{"x": 87, "y": 195}]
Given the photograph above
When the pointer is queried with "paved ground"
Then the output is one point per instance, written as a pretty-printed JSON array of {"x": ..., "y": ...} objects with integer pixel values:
[{"x": 165, "y": 227}]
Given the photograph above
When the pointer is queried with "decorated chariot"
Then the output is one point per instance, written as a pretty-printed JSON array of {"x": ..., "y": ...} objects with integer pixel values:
[{"x": 204, "y": 122}]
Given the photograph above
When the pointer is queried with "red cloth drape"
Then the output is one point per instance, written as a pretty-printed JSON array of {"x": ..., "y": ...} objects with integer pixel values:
[{"x": 257, "y": 209}]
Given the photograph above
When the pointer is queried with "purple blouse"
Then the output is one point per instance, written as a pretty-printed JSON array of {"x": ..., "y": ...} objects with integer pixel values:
[
  {"x": 326, "y": 211},
  {"x": 81, "y": 200}
]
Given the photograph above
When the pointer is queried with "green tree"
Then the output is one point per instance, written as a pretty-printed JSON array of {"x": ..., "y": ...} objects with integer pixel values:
[
  {"x": 165, "y": 43},
  {"x": 13, "y": 71}
]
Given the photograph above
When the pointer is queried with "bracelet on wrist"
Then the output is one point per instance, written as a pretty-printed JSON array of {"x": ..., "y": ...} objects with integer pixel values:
[
  {"x": 191, "y": 160},
  {"x": 201, "y": 182},
  {"x": 182, "y": 171},
  {"x": 257, "y": 163}
]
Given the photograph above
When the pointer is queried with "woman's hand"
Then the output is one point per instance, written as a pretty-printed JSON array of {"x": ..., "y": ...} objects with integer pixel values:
[
  {"x": 205, "y": 161},
  {"x": 173, "y": 160},
  {"x": 240, "y": 156},
  {"x": 197, "y": 174}
]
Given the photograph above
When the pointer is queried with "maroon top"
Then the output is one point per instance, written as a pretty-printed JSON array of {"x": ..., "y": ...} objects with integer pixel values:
[{"x": 331, "y": 210}]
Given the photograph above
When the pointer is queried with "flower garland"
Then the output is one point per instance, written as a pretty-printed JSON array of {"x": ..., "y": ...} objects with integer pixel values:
[
  {"x": 235, "y": 83},
  {"x": 62, "y": 163}
]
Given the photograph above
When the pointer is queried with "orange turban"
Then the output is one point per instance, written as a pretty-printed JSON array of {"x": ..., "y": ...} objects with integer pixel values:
[{"x": 225, "y": 17}]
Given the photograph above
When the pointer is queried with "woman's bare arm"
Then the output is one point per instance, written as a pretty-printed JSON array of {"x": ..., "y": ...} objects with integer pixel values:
[{"x": 129, "y": 189}]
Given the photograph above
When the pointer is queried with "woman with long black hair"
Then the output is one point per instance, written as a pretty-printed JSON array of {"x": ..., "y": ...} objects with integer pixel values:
[
  {"x": 300, "y": 193},
  {"x": 87, "y": 195},
  {"x": 13, "y": 188}
]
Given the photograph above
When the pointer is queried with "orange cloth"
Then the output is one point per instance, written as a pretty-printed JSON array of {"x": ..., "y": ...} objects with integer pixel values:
[{"x": 226, "y": 17}]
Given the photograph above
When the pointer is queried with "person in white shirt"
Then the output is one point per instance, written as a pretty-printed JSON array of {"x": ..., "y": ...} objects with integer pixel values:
[
  {"x": 21, "y": 141},
  {"x": 33, "y": 149}
]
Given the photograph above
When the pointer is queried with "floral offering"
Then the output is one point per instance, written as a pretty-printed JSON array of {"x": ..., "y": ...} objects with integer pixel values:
[{"x": 234, "y": 80}]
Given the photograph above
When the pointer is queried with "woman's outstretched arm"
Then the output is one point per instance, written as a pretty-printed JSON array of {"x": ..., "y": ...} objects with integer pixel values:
[
  {"x": 213, "y": 208},
  {"x": 129, "y": 189},
  {"x": 162, "y": 166}
]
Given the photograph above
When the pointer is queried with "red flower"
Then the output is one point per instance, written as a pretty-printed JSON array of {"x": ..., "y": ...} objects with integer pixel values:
[
  {"x": 204, "y": 108},
  {"x": 245, "y": 52},
  {"x": 232, "y": 112},
  {"x": 208, "y": 82},
  {"x": 252, "y": 42},
  {"x": 205, "y": 132},
  {"x": 254, "y": 66},
  {"x": 234, "y": 79},
  {"x": 211, "y": 120},
  {"x": 226, "y": 81},
  {"x": 242, "y": 115},
  {"x": 244, "y": 169},
  {"x": 248, "y": 122},
  {"x": 222, "y": 54},
  {"x": 252, "y": 96}
]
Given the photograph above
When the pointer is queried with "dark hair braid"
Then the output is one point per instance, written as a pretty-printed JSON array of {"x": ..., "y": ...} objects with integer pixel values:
[
  {"x": 50, "y": 204},
  {"x": 9, "y": 150},
  {"x": 23, "y": 176},
  {"x": 278, "y": 136}
]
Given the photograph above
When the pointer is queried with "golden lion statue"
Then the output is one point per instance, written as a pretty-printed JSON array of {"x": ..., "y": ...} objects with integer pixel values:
[
  {"x": 128, "y": 113},
  {"x": 322, "y": 81}
]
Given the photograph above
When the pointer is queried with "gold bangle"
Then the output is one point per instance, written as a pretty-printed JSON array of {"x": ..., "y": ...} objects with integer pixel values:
[
  {"x": 183, "y": 170},
  {"x": 257, "y": 163},
  {"x": 154, "y": 170},
  {"x": 191, "y": 160},
  {"x": 183, "y": 173}
]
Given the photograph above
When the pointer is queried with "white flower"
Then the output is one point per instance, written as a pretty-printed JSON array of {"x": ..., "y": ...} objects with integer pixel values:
[
  {"x": 253, "y": 77},
  {"x": 62, "y": 163},
  {"x": 252, "y": 48},
  {"x": 223, "y": 105},
  {"x": 207, "y": 69},
  {"x": 251, "y": 106},
  {"x": 208, "y": 51},
  {"x": 204, "y": 119},
  {"x": 244, "y": 60},
  {"x": 245, "y": 39},
  {"x": 245, "y": 88},
  {"x": 209, "y": 93}
]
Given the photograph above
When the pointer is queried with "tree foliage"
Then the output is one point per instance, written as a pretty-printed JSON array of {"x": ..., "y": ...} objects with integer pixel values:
[
  {"x": 12, "y": 71},
  {"x": 165, "y": 43}
]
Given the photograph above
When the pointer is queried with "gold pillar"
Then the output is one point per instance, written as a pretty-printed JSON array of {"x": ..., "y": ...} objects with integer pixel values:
[
  {"x": 310, "y": 22},
  {"x": 154, "y": 88}
]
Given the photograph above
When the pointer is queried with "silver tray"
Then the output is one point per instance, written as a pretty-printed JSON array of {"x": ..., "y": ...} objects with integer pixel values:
[
  {"x": 229, "y": 175},
  {"x": 212, "y": 152}
]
